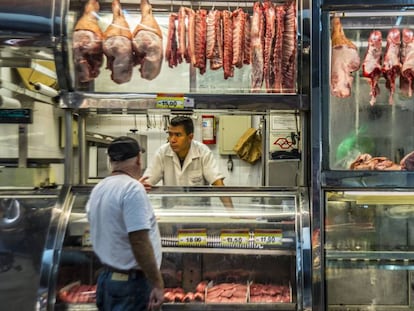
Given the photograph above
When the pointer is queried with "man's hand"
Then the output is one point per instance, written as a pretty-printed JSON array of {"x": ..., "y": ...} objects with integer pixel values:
[
  {"x": 147, "y": 185},
  {"x": 156, "y": 299}
]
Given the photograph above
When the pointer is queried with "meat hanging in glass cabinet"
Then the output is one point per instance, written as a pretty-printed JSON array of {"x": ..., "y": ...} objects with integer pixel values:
[
  {"x": 371, "y": 66},
  {"x": 147, "y": 43},
  {"x": 87, "y": 43},
  {"x": 117, "y": 46},
  {"x": 345, "y": 60}
]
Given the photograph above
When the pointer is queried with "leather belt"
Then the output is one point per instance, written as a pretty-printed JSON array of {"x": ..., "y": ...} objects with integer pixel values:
[{"x": 133, "y": 273}]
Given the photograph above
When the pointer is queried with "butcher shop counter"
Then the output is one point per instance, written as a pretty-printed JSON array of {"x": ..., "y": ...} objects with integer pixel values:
[{"x": 254, "y": 256}]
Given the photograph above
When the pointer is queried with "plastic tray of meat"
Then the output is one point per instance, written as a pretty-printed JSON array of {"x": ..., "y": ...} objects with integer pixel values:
[
  {"x": 235, "y": 293},
  {"x": 78, "y": 296},
  {"x": 269, "y": 293},
  {"x": 179, "y": 295}
]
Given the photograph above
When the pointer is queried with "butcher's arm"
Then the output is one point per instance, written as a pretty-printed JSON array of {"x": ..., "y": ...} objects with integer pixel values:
[
  {"x": 227, "y": 202},
  {"x": 144, "y": 255}
]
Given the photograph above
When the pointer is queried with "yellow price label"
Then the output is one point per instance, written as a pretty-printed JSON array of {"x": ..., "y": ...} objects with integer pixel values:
[
  {"x": 173, "y": 101},
  {"x": 236, "y": 236},
  {"x": 192, "y": 237},
  {"x": 268, "y": 237}
]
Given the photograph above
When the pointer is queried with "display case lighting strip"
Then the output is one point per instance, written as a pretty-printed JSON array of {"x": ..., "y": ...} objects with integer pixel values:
[{"x": 374, "y": 13}]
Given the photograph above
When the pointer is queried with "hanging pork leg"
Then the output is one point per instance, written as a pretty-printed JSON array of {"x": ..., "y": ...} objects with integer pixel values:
[
  {"x": 147, "y": 43},
  {"x": 344, "y": 61},
  {"x": 87, "y": 44},
  {"x": 391, "y": 66},
  {"x": 371, "y": 66},
  {"x": 407, "y": 59},
  {"x": 117, "y": 46}
]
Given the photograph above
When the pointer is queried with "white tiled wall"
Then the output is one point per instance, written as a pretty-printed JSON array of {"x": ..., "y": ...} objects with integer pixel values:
[{"x": 243, "y": 173}]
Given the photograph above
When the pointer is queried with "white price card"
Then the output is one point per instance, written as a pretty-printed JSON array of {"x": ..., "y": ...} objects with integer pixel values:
[
  {"x": 234, "y": 236},
  {"x": 268, "y": 236},
  {"x": 192, "y": 237}
]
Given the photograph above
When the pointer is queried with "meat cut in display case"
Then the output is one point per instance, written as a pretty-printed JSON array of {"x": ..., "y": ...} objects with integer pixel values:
[
  {"x": 250, "y": 257},
  {"x": 362, "y": 156},
  {"x": 368, "y": 79}
]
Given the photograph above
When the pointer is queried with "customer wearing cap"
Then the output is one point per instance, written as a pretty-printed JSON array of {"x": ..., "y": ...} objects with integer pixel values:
[
  {"x": 125, "y": 235},
  {"x": 183, "y": 161}
]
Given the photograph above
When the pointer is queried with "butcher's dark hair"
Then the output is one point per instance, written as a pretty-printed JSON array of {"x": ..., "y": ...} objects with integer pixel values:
[{"x": 187, "y": 122}]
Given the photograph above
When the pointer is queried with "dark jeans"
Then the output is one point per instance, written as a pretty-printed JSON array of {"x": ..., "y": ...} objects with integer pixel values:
[{"x": 117, "y": 292}]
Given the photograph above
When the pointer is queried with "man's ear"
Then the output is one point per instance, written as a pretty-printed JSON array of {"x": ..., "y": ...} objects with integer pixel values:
[
  {"x": 138, "y": 159},
  {"x": 191, "y": 136}
]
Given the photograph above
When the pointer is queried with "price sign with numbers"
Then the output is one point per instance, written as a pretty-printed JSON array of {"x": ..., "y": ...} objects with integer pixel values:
[
  {"x": 170, "y": 101},
  {"x": 192, "y": 237},
  {"x": 234, "y": 236},
  {"x": 268, "y": 236}
]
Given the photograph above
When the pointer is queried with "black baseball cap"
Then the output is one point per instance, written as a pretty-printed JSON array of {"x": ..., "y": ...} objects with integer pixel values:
[{"x": 123, "y": 148}]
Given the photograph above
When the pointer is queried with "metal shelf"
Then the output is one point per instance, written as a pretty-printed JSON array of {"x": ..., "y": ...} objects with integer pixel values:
[
  {"x": 130, "y": 102},
  {"x": 242, "y": 251},
  {"x": 367, "y": 179}
]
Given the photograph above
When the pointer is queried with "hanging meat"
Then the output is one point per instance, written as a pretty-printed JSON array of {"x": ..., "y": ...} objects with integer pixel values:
[
  {"x": 270, "y": 32},
  {"x": 87, "y": 44},
  {"x": 278, "y": 49},
  {"x": 227, "y": 44},
  {"x": 289, "y": 58},
  {"x": 371, "y": 66},
  {"x": 182, "y": 35},
  {"x": 117, "y": 46},
  {"x": 172, "y": 45},
  {"x": 391, "y": 66},
  {"x": 214, "y": 48},
  {"x": 344, "y": 61},
  {"x": 200, "y": 40},
  {"x": 239, "y": 23},
  {"x": 189, "y": 51},
  {"x": 147, "y": 43},
  {"x": 247, "y": 40},
  {"x": 257, "y": 35},
  {"x": 407, "y": 59}
]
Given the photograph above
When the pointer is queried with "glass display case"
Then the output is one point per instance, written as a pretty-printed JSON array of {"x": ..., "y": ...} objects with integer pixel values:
[
  {"x": 259, "y": 247},
  {"x": 27, "y": 218},
  {"x": 368, "y": 87},
  {"x": 368, "y": 248},
  {"x": 361, "y": 154}
]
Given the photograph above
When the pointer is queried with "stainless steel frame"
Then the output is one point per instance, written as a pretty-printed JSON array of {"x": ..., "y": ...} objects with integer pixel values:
[
  {"x": 324, "y": 179},
  {"x": 301, "y": 252}
]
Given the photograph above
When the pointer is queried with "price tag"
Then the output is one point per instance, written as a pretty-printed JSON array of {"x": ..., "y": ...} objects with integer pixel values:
[
  {"x": 268, "y": 236},
  {"x": 192, "y": 237},
  {"x": 170, "y": 101},
  {"x": 234, "y": 236}
]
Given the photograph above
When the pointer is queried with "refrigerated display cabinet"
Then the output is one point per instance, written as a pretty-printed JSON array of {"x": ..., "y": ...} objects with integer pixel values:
[
  {"x": 368, "y": 249},
  {"x": 49, "y": 33},
  {"x": 260, "y": 246},
  {"x": 30, "y": 220},
  {"x": 361, "y": 153}
]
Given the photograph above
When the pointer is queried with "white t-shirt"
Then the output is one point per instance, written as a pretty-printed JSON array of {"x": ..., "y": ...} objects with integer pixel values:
[
  {"x": 119, "y": 205},
  {"x": 199, "y": 168}
]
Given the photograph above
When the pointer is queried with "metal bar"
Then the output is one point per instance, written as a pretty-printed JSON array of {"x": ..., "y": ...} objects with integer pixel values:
[
  {"x": 23, "y": 142},
  {"x": 68, "y": 148}
]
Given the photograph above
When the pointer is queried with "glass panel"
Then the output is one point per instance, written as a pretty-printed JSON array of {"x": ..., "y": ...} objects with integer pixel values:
[
  {"x": 200, "y": 77},
  {"x": 369, "y": 99},
  {"x": 369, "y": 242},
  {"x": 24, "y": 224},
  {"x": 204, "y": 244}
]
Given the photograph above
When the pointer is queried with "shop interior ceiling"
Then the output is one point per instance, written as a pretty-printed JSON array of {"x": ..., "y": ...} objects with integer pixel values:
[{"x": 173, "y": 5}]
